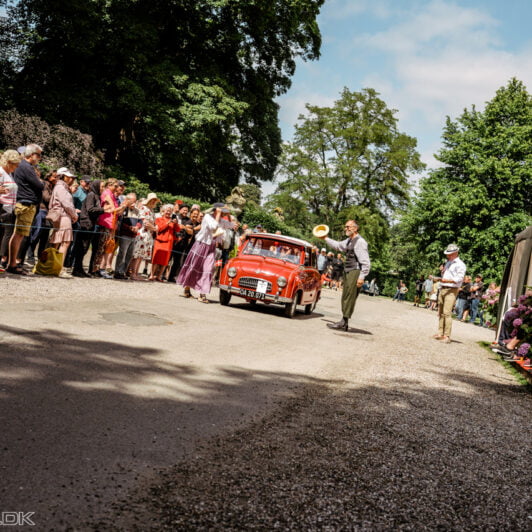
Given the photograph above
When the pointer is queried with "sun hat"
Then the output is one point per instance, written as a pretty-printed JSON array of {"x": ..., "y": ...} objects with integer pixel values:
[
  {"x": 224, "y": 208},
  {"x": 451, "y": 248},
  {"x": 151, "y": 196},
  {"x": 320, "y": 231},
  {"x": 65, "y": 171}
]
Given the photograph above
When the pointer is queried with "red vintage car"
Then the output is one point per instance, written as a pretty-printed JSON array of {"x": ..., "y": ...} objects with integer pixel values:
[{"x": 273, "y": 269}]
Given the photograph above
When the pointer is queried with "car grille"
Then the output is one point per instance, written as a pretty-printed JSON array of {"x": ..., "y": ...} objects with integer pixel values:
[{"x": 251, "y": 283}]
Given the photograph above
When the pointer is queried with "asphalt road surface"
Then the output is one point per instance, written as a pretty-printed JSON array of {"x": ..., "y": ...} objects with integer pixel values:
[{"x": 107, "y": 387}]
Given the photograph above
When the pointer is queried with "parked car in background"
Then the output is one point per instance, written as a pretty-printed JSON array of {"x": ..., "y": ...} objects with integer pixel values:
[{"x": 273, "y": 269}]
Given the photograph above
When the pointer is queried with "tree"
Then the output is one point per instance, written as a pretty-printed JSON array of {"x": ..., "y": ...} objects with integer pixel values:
[
  {"x": 482, "y": 196},
  {"x": 347, "y": 160},
  {"x": 180, "y": 92},
  {"x": 252, "y": 193},
  {"x": 350, "y": 154},
  {"x": 294, "y": 210}
]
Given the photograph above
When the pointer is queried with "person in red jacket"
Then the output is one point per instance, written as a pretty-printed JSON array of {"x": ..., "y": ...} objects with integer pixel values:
[{"x": 167, "y": 232}]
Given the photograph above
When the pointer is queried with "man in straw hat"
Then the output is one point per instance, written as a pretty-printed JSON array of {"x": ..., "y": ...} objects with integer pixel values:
[
  {"x": 356, "y": 268},
  {"x": 452, "y": 277}
]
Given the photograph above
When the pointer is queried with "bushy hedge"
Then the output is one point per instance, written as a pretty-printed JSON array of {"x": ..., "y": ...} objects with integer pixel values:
[{"x": 63, "y": 146}]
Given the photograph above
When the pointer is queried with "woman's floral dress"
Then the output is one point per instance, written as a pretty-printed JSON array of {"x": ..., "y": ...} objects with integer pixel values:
[{"x": 144, "y": 239}]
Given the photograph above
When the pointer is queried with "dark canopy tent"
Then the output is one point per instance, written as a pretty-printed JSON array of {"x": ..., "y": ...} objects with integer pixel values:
[{"x": 518, "y": 271}]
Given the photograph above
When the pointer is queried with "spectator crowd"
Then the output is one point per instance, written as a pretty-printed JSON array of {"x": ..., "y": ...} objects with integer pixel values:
[
  {"x": 474, "y": 301},
  {"x": 56, "y": 224},
  {"x": 50, "y": 222}
]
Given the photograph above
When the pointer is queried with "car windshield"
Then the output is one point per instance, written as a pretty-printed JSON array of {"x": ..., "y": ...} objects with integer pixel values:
[{"x": 269, "y": 248}]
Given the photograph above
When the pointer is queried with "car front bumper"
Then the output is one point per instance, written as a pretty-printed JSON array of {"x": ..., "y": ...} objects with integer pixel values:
[{"x": 251, "y": 294}]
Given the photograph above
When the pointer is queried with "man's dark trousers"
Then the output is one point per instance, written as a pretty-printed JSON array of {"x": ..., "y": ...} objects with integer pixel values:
[{"x": 350, "y": 293}]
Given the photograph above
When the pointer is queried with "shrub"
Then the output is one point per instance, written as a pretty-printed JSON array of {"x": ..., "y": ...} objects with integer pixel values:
[{"x": 63, "y": 146}]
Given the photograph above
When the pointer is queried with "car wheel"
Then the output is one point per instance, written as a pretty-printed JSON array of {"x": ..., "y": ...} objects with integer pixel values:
[
  {"x": 290, "y": 308},
  {"x": 225, "y": 297},
  {"x": 309, "y": 309}
]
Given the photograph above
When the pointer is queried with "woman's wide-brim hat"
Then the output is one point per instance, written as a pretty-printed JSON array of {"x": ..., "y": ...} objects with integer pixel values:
[
  {"x": 225, "y": 209},
  {"x": 320, "y": 231},
  {"x": 150, "y": 197}
]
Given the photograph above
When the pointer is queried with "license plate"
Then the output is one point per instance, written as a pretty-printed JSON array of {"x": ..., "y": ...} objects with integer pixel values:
[
  {"x": 252, "y": 293},
  {"x": 262, "y": 286}
]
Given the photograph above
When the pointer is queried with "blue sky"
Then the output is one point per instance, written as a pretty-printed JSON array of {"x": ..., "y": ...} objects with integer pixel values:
[{"x": 427, "y": 59}]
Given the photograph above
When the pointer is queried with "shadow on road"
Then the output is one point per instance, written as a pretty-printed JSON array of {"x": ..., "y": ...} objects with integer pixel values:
[
  {"x": 398, "y": 456},
  {"x": 84, "y": 420},
  {"x": 276, "y": 310},
  {"x": 86, "y": 423},
  {"x": 350, "y": 330}
]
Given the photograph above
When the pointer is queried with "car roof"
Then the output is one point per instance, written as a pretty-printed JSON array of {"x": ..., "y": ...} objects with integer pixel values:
[{"x": 282, "y": 238}]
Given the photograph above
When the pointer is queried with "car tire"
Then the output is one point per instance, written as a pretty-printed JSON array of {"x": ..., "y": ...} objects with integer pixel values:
[
  {"x": 290, "y": 308},
  {"x": 224, "y": 297},
  {"x": 309, "y": 309}
]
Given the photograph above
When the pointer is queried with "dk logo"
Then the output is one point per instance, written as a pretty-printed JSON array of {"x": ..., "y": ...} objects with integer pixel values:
[{"x": 16, "y": 518}]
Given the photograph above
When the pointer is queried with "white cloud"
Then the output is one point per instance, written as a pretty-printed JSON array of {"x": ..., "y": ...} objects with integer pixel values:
[
  {"x": 439, "y": 22},
  {"x": 341, "y": 9},
  {"x": 293, "y": 105},
  {"x": 428, "y": 61},
  {"x": 444, "y": 59}
]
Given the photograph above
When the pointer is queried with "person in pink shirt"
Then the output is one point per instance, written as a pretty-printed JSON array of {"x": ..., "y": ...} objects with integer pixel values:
[{"x": 106, "y": 226}]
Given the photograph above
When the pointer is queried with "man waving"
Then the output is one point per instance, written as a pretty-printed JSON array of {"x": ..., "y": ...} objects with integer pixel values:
[{"x": 356, "y": 268}]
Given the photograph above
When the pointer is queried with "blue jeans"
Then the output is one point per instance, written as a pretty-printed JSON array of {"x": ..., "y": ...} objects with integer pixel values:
[
  {"x": 474, "y": 310},
  {"x": 459, "y": 308}
]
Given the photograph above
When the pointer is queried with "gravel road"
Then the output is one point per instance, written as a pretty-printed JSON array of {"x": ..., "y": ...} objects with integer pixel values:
[{"x": 126, "y": 407}]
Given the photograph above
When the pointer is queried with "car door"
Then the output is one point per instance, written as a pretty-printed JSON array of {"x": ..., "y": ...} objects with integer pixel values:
[{"x": 310, "y": 278}]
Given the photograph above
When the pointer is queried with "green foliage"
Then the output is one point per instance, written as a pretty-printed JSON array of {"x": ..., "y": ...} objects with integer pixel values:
[
  {"x": 388, "y": 285},
  {"x": 179, "y": 92},
  {"x": 348, "y": 161},
  {"x": 482, "y": 197},
  {"x": 141, "y": 189},
  {"x": 349, "y": 154},
  {"x": 254, "y": 216},
  {"x": 252, "y": 193},
  {"x": 295, "y": 210}
]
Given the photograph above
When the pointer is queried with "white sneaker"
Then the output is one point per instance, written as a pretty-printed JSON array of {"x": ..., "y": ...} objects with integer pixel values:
[{"x": 64, "y": 275}]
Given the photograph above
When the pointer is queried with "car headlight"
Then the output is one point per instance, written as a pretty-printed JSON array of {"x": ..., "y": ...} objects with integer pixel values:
[
  {"x": 281, "y": 282},
  {"x": 232, "y": 272}
]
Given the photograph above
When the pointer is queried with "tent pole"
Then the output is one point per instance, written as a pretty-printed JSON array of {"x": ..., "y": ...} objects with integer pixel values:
[{"x": 505, "y": 306}]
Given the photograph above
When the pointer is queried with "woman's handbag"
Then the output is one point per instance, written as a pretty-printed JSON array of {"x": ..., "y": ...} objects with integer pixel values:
[
  {"x": 54, "y": 217},
  {"x": 54, "y": 213},
  {"x": 50, "y": 262},
  {"x": 111, "y": 245}
]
